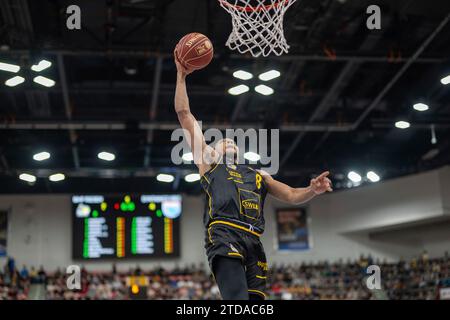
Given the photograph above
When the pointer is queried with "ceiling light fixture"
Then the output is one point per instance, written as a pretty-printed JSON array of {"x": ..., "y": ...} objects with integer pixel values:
[
  {"x": 372, "y": 176},
  {"x": 27, "y": 177},
  {"x": 243, "y": 75},
  {"x": 57, "y": 177},
  {"x": 269, "y": 75},
  {"x": 354, "y": 176},
  {"x": 192, "y": 177},
  {"x": 41, "y": 156},
  {"x": 9, "y": 67},
  {"x": 43, "y": 81},
  {"x": 42, "y": 65},
  {"x": 402, "y": 124},
  {"x": 162, "y": 177},
  {"x": 188, "y": 156},
  {"x": 445, "y": 80},
  {"x": 421, "y": 107},
  {"x": 107, "y": 156},
  {"x": 264, "y": 90},
  {"x": 14, "y": 81},
  {"x": 252, "y": 156},
  {"x": 240, "y": 89}
]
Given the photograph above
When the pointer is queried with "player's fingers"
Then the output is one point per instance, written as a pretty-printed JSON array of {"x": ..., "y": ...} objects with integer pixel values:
[
  {"x": 324, "y": 174},
  {"x": 325, "y": 181},
  {"x": 329, "y": 189}
]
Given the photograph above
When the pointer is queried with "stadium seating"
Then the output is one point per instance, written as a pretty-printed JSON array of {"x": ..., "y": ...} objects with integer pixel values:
[{"x": 415, "y": 279}]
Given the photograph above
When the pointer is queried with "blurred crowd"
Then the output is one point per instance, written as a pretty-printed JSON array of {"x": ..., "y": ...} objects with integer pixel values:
[
  {"x": 419, "y": 278},
  {"x": 15, "y": 284},
  {"x": 190, "y": 283}
]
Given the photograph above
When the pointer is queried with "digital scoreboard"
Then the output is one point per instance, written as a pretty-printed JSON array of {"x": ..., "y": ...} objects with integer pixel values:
[{"x": 126, "y": 226}]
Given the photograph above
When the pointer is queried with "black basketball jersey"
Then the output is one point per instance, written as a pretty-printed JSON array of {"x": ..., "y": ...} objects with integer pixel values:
[{"x": 234, "y": 192}]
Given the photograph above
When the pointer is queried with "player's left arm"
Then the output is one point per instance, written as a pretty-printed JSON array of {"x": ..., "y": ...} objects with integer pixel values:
[{"x": 285, "y": 193}]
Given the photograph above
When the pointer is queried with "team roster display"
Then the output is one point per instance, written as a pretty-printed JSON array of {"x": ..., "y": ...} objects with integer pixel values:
[{"x": 126, "y": 226}]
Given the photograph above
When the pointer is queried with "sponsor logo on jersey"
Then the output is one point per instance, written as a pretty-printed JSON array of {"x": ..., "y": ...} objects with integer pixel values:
[
  {"x": 263, "y": 265},
  {"x": 249, "y": 204},
  {"x": 234, "y": 174}
]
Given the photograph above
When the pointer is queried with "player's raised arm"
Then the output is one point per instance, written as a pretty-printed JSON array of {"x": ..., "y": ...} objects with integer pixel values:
[
  {"x": 291, "y": 195},
  {"x": 188, "y": 121}
]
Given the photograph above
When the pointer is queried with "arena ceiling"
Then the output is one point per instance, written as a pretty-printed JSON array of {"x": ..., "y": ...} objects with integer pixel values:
[{"x": 342, "y": 88}]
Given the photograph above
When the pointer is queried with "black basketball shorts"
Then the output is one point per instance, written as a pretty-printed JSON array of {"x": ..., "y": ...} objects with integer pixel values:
[{"x": 227, "y": 241}]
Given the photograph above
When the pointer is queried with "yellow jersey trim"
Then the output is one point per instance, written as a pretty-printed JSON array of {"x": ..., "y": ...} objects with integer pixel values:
[
  {"x": 258, "y": 292},
  {"x": 235, "y": 254},
  {"x": 206, "y": 179},
  {"x": 212, "y": 168},
  {"x": 210, "y": 236},
  {"x": 209, "y": 203},
  {"x": 236, "y": 226}
]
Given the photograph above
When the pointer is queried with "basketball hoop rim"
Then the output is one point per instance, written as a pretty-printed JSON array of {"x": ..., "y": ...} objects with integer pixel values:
[{"x": 254, "y": 9}]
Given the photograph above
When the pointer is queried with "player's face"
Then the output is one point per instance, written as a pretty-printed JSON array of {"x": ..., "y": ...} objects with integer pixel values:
[{"x": 227, "y": 147}]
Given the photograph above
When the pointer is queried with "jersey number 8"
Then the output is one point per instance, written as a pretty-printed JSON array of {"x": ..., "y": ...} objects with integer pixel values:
[{"x": 258, "y": 181}]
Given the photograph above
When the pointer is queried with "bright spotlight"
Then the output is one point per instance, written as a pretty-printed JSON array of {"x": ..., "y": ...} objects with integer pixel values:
[
  {"x": 27, "y": 177},
  {"x": 243, "y": 75},
  {"x": 240, "y": 89},
  {"x": 42, "y": 65},
  {"x": 402, "y": 124},
  {"x": 9, "y": 67},
  {"x": 252, "y": 156},
  {"x": 445, "y": 80},
  {"x": 107, "y": 156},
  {"x": 354, "y": 177},
  {"x": 57, "y": 177},
  {"x": 187, "y": 157},
  {"x": 372, "y": 176},
  {"x": 264, "y": 90},
  {"x": 43, "y": 81},
  {"x": 192, "y": 177},
  {"x": 14, "y": 81},
  {"x": 269, "y": 75},
  {"x": 421, "y": 107},
  {"x": 41, "y": 156},
  {"x": 162, "y": 177}
]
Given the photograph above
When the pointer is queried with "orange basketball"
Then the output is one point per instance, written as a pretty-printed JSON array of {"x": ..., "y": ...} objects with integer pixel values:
[{"x": 194, "y": 51}]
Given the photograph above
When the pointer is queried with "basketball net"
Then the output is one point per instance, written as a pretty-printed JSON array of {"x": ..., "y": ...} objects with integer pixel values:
[{"x": 257, "y": 26}]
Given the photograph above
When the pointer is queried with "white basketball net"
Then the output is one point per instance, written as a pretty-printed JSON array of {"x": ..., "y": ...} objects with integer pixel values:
[{"x": 257, "y": 26}]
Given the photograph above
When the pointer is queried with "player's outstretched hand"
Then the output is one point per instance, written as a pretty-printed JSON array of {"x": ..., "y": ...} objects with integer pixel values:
[
  {"x": 321, "y": 184},
  {"x": 181, "y": 70}
]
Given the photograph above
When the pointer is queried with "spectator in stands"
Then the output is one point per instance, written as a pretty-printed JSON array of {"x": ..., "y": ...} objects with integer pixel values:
[
  {"x": 24, "y": 272},
  {"x": 42, "y": 275},
  {"x": 33, "y": 275},
  {"x": 11, "y": 265}
]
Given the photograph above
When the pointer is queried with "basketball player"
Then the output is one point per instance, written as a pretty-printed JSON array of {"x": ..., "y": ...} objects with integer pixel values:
[{"x": 233, "y": 217}]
